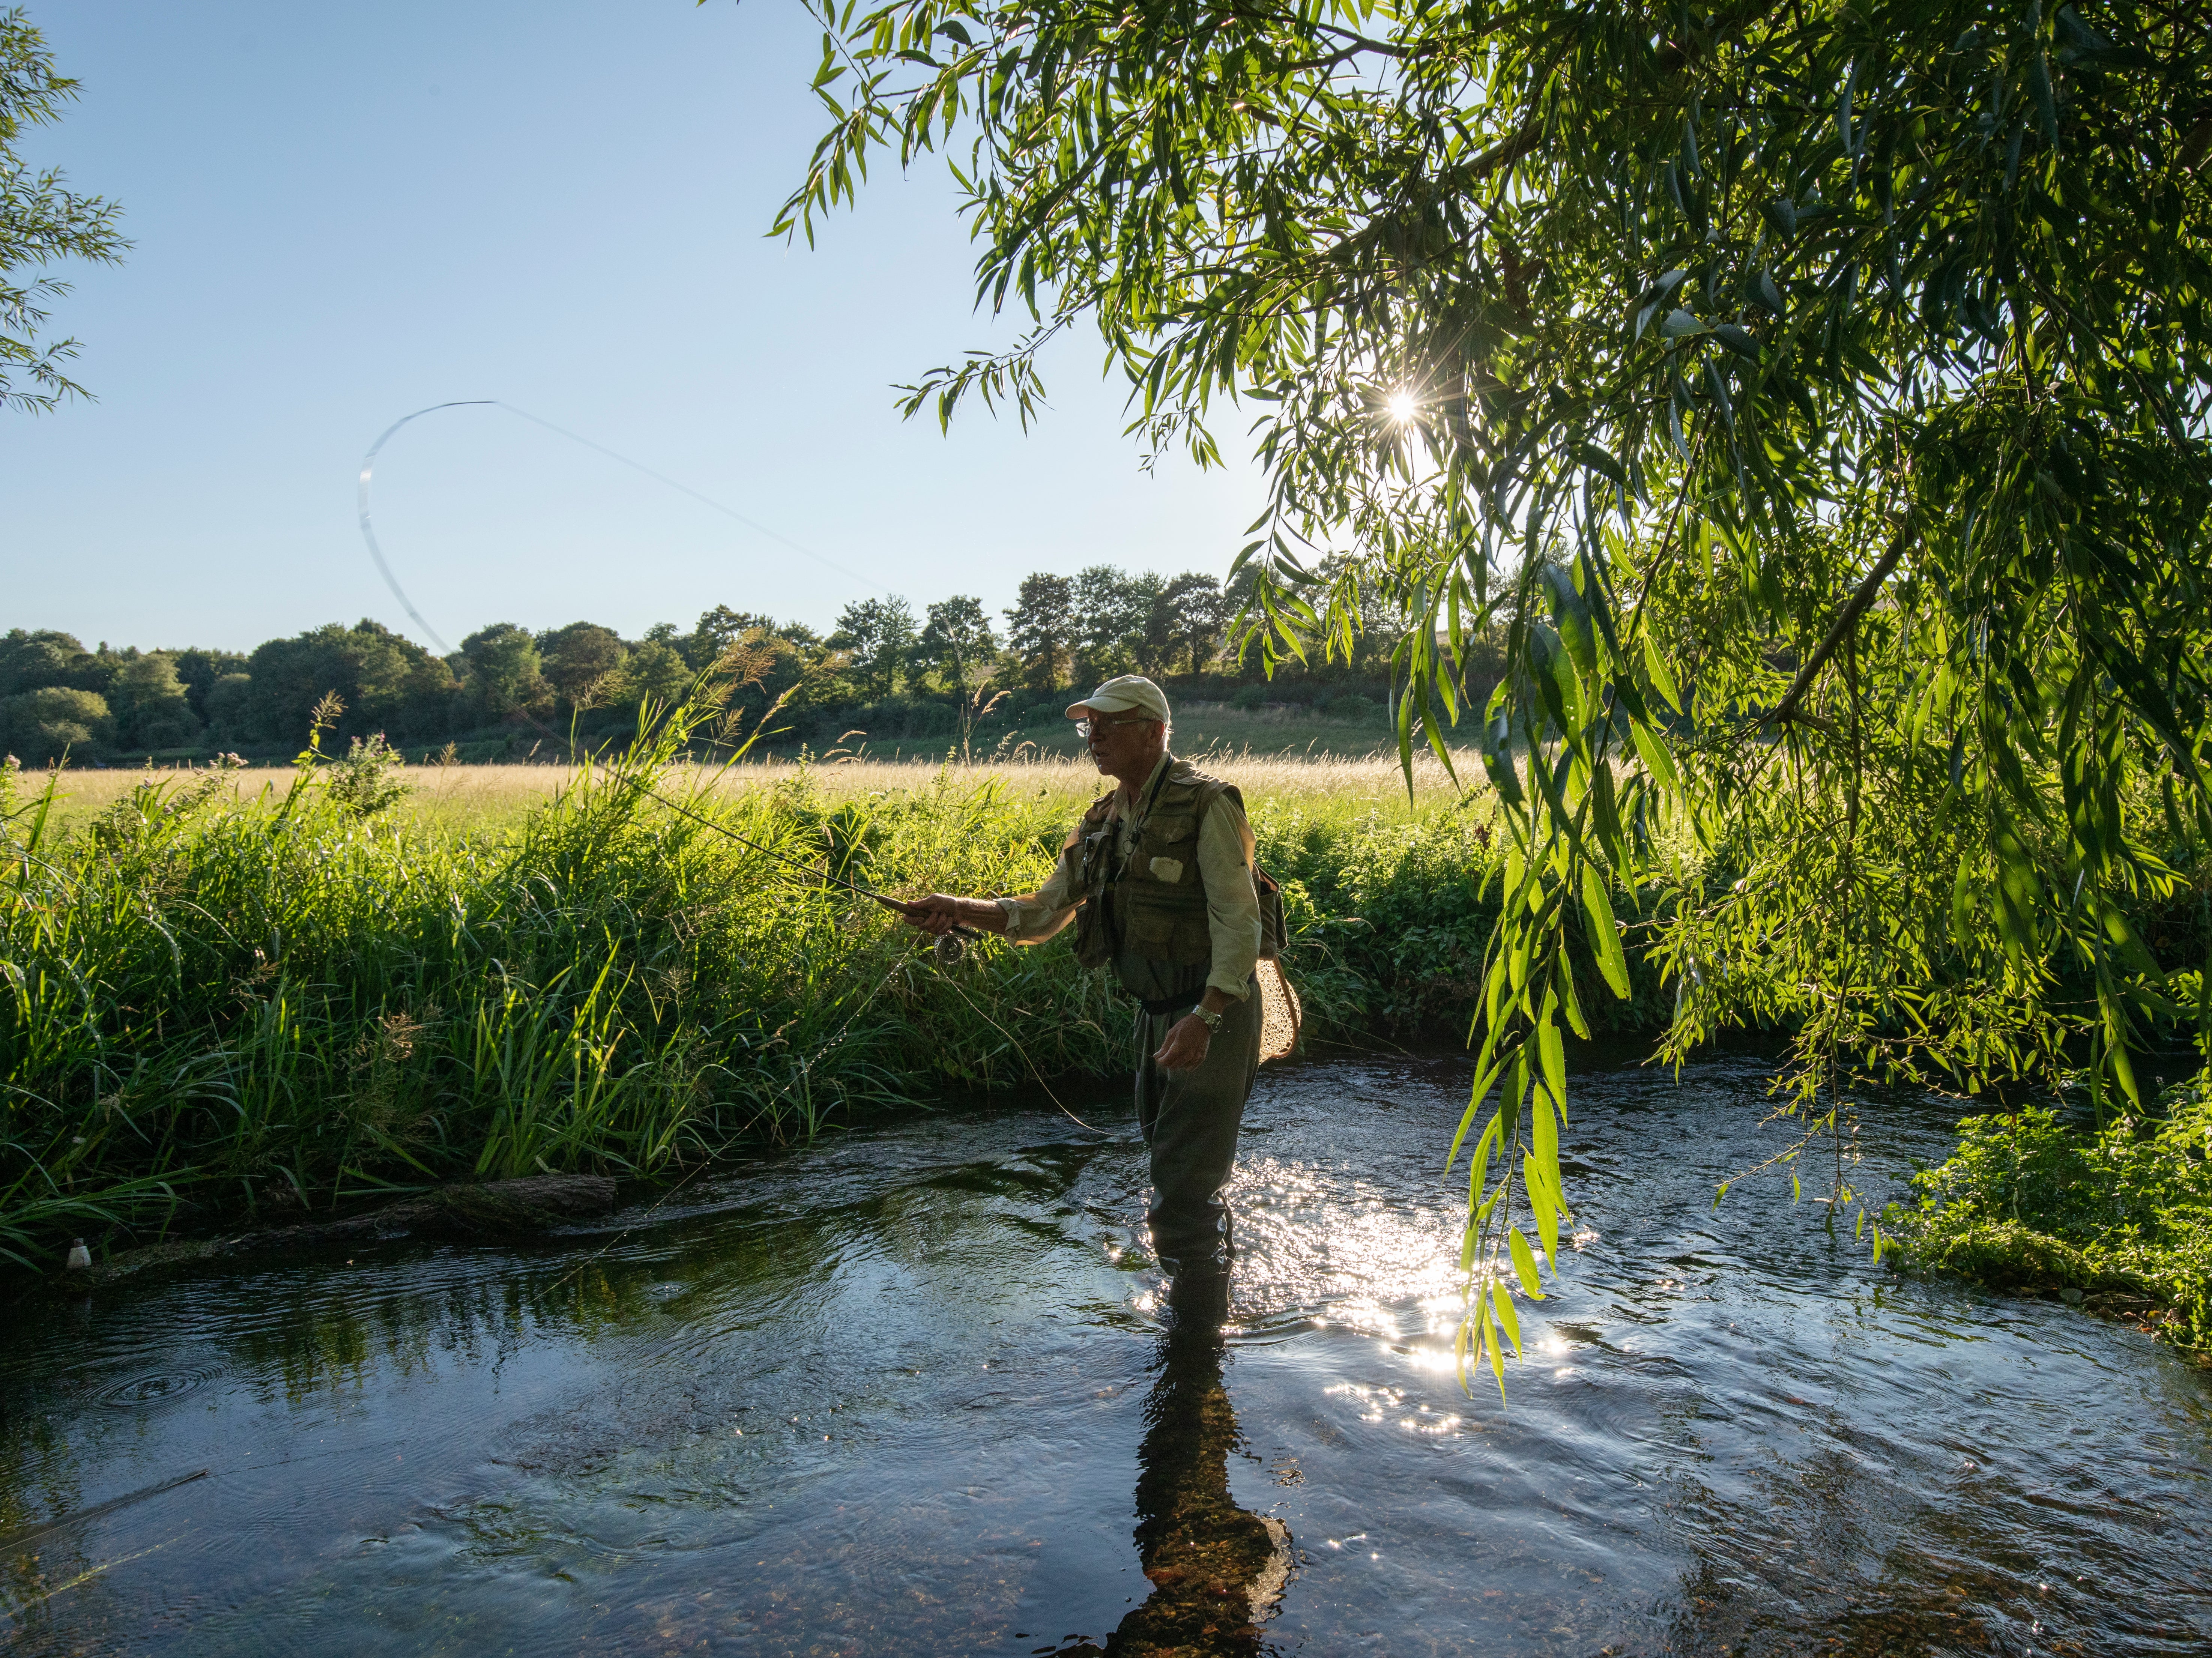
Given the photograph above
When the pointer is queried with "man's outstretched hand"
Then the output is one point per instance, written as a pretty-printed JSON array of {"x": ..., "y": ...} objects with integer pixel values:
[
  {"x": 937, "y": 915},
  {"x": 940, "y": 913}
]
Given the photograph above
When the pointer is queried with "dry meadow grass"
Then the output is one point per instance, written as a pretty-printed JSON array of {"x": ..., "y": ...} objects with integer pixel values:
[{"x": 1319, "y": 784}]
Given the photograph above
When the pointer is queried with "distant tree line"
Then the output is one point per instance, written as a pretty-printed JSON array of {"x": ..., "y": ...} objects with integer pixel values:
[{"x": 883, "y": 668}]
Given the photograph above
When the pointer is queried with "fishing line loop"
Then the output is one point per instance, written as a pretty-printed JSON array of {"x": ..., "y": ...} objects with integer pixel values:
[
  {"x": 368, "y": 466},
  {"x": 391, "y": 581}
]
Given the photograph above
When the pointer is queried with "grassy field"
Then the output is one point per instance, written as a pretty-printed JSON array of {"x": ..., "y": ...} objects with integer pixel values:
[
  {"x": 1274, "y": 739},
  {"x": 464, "y": 796},
  {"x": 1281, "y": 733}
]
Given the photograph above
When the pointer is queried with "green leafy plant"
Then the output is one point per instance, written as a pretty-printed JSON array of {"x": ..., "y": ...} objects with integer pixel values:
[
  {"x": 41, "y": 220},
  {"x": 364, "y": 782},
  {"x": 2124, "y": 1213}
]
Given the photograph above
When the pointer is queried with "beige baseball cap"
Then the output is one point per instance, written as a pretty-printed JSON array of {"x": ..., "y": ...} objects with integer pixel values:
[{"x": 1131, "y": 693}]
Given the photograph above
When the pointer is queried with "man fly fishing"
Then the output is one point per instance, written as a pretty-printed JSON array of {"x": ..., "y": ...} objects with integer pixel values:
[{"x": 1158, "y": 878}]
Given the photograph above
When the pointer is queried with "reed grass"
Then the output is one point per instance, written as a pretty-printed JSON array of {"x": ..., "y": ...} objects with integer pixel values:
[{"x": 227, "y": 990}]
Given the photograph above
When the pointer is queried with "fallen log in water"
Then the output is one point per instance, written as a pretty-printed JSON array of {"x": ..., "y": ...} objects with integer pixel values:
[{"x": 497, "y": 1209}]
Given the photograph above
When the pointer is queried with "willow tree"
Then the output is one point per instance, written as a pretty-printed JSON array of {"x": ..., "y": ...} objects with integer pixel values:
[
  {"x": 41, "y": 222},
  {"x": 1815, "y": 395}
]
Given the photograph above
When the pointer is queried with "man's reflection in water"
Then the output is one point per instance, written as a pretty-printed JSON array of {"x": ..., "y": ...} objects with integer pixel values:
[{"x": 1215, "y": 1568}]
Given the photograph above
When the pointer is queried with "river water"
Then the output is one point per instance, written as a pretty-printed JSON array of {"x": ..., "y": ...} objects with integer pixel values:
[{"x": 914, "y": 1390}]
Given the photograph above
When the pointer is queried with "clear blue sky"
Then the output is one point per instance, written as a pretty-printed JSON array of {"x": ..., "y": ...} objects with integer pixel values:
[{"x": 343, "y": 214}]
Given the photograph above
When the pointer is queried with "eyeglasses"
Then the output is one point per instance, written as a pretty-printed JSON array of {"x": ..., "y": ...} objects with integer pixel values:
[{"x": 1085, "y": 727}]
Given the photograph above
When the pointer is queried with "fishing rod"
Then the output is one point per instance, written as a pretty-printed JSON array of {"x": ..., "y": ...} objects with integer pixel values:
[{"x": 391, "y": 581}]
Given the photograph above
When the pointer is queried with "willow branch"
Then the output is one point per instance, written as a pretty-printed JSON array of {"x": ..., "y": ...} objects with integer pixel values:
[{"x": 1787, "y": 708}]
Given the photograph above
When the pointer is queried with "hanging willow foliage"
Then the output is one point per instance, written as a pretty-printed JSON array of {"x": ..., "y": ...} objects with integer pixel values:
[{"x": 1812, "y": 397}]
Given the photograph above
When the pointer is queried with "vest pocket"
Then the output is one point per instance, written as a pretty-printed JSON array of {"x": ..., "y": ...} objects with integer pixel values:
[
  {"x": 1166, "y": 923},
  {"x": 1167, "y": 828},
  {"x": 1149, "y": 933}
]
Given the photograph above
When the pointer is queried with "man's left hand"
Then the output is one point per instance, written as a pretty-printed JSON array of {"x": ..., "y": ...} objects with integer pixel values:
[{"x": 1186, "y": 1045}]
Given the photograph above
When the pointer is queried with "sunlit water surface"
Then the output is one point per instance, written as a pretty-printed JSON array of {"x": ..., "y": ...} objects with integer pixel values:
[{"x": 892, "y": 1393}]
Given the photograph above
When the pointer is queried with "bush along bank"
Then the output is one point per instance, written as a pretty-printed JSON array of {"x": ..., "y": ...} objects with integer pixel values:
[
  {"x": 2117, "y": 1218},
  {"x": 1392, "y": 918}
]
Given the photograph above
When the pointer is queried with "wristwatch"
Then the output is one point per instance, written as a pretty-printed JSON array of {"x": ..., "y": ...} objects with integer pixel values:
[{"x": 1210, "y": 1019}]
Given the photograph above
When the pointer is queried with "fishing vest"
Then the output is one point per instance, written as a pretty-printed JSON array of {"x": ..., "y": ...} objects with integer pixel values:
[{"x": 1152, "y": 904}]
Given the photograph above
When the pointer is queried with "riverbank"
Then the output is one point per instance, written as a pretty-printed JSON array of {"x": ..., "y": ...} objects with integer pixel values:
[
  {"x": 2116, "y": 1218},
  {"x": 234, "y": 1004}
]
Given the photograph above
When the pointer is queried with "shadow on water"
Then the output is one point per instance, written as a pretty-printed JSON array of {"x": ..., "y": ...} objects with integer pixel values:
[
  {"x": 917, "y": 1389},
  {"x": 1216, "y": 1570}
]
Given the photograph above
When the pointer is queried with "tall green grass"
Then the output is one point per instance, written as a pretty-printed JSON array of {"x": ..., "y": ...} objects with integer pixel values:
[
  {"x": 217, "y": 1001},
  {"x": 213, "y": 1003}
]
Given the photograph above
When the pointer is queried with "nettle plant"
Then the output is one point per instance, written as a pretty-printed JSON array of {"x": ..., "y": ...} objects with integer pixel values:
[
  {"x": 362, "y": 779},
  {"x": 1812, "y": 397}
]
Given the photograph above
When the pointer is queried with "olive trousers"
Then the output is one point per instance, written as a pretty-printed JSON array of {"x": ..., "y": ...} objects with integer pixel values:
[{"x": 1189, "y": 1120}]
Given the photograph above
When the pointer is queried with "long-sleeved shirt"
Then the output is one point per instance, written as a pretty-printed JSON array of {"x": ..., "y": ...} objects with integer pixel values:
[{"x": 1224, "y": 866}]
